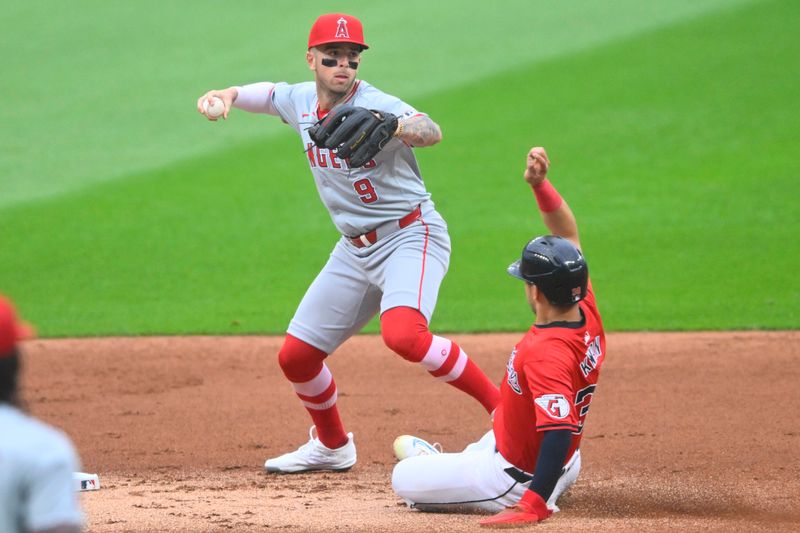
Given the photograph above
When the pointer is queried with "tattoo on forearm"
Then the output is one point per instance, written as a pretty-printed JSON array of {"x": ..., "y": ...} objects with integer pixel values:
[{"x": 421, "y": 131}]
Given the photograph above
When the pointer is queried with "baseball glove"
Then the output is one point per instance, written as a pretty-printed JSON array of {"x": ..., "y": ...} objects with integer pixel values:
[{"x": 354, "y": 133}]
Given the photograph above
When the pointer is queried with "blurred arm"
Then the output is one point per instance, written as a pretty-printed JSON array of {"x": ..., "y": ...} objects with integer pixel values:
[
  {"x": 52, "y": 502},
  {"x": 61, "y": 529}
]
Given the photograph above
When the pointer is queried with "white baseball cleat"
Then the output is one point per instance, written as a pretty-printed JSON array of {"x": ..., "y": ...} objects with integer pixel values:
[
  {"x": 314, "y": 455},
  {"x": 406, "y": 446}
]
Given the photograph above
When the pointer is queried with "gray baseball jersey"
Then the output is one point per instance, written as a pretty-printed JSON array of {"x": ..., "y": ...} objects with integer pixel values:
[
  {"x": 405, "y": 267},
  {"x": 358, "y": 199},
  {"x": 36, "y": 468}
]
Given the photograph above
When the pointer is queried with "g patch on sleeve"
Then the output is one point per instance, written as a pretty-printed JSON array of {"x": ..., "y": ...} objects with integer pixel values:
[{"x": 554, "y": 405}]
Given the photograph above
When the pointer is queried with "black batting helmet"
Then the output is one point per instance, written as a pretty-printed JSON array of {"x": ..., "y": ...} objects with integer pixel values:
[{"x": 556, "y": 267}]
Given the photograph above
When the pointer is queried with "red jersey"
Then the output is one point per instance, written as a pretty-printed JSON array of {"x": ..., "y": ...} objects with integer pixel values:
[{"x": 549, "y": 383}]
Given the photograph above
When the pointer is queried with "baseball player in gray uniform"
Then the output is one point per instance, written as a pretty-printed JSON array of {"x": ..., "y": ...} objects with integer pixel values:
[
  {"x": 37, "y": 491},
  {"x": 394, "y": 250}
]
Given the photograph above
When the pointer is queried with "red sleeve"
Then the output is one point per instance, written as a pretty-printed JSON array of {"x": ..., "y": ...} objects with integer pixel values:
[{"x": 550, "y": 382}]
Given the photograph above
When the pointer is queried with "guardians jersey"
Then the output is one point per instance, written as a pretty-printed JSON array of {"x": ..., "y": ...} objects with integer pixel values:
[
  {"x": 550, "y": 381},
  {"x": 358, "y": 199}
]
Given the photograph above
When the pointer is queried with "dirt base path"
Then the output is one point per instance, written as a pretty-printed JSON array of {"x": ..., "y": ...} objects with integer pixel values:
[{"x": 687, "y": 432}]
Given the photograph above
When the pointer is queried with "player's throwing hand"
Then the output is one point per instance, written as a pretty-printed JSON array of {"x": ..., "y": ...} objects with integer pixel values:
[
  {"x": 228, "y": 96},
  {"x": 538, "y": 163}
]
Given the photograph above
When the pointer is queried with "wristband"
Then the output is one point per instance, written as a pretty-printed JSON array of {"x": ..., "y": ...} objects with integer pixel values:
[{"x": 547, "y": 196}]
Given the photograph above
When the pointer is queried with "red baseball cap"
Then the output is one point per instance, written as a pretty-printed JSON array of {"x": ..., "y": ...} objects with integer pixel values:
[
  {"x": 12, "y": 329},
  {"x": 336, "y": 28}
]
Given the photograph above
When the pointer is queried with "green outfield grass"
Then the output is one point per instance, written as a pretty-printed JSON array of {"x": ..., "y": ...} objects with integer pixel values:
[{"x": 672, "y": 133}]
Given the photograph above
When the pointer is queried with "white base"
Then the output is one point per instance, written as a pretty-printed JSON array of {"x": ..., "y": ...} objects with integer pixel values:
[{"x": 84, "y": 482}]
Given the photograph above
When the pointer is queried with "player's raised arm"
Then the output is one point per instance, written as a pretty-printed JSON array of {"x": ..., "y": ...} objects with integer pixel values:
[
  {"x": 418, "y": 131},
  {"x": 556, "y": 214}
]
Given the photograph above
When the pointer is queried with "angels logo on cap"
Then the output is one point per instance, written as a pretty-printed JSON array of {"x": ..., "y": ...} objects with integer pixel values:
[
  {"x": 341, "y": 29},
  {"x": 337, "y": 28}
]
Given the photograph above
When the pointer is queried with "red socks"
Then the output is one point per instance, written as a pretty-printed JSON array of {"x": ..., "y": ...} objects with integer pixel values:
[
  {"x": 303, "y": 366},
  {"x": 405, "y": 331}
]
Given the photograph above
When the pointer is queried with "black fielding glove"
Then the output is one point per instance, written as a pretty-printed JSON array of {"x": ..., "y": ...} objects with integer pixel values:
[{"x": 354, "y": 133}]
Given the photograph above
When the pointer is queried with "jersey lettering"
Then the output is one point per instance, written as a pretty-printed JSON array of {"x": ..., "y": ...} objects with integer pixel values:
[
  {"x": 583, "y": 399},
  {"x": 320, "y": 157},
  {"x": 593, "y": 355},
  {"x": 365, "y": 191},
  {"x": 393, "y": 180},
  {"x": 513, "y": 378}
]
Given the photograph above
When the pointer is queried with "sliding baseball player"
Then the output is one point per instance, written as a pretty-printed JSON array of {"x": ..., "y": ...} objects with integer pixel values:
[{"x": 532, "y": 455}]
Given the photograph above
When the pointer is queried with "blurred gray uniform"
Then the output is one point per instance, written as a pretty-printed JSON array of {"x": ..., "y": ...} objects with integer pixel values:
[
  {"x": 394, "y": 250},
  {"x": 37, "y": 462}
]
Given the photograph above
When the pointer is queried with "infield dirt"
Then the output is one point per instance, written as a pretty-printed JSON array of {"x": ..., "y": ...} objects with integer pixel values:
[{"x": 687, "y": 432}]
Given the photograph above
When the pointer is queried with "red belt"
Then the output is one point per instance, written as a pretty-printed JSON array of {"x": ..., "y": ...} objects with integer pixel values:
[{"x": 372, "y": 236}]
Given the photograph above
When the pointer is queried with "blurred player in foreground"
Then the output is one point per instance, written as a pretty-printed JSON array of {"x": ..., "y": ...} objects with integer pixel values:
[
  {"x": 532, "y": 454},
  {"x": 37, "y": 490}
]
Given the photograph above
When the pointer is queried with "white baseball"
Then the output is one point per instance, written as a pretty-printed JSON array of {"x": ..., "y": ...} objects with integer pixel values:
[{"x": 216, "y": 108}]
